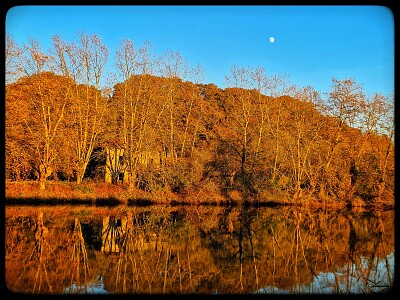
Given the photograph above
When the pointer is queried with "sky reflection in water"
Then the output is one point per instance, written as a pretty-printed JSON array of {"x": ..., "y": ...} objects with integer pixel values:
[{"x": 206, "y": 250}]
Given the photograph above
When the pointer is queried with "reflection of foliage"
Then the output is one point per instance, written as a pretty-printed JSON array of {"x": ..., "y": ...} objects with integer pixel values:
[
  {"x": 78, "y": 260},
  {"x": 36, "y": 266},
  {"x": 40, "y": 253},
  {"x": 285, "y": 248},
  {"x": 111, "y": 234},
  {"x": 204, "y": 249},
  {"x": 126, "y": 266}
]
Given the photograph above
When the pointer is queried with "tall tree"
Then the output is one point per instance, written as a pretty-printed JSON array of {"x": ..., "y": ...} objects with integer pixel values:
[
  {"x": 13, "y": 53},
  {"x": 241, "y": 110},
  {"x": 45, "y": 96},
  {"x": 173, "y": 68},
  {"x": 134, "y": 100},
  {"x": 343, "y": 106},
  {"x": 375, "y": 154},
  {"x": 304, "y": 133},
  {"x": 41, "y": 102},
  {"x": 85, "y": 63},
  {"x": 191, "y": 108}
]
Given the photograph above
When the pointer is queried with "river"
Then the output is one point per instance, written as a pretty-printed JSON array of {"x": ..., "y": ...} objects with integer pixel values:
[{"x": 63, "y": 249}]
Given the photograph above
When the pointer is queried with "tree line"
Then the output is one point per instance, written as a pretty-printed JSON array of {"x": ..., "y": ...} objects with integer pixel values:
[{"x": 260, "y": 136}]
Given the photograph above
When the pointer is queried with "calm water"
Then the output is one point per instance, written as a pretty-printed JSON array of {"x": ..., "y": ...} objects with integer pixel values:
[{"x": 204, "y": 249}]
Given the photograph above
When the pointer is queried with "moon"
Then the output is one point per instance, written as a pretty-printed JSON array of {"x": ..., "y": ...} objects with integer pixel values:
[{"x": 271, "y": 39}]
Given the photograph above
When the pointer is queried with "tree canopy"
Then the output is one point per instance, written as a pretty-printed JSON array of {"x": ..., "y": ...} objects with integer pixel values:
[{"x": 259, "y": 137}]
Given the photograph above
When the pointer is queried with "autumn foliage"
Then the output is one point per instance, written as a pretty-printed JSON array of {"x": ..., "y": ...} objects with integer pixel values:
[{"x": 257, "y": 140}]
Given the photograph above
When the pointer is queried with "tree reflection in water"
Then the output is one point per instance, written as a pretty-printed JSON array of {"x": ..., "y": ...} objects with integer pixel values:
[
  {"x": 78, "y": 260},
  {"x": 40, "y": 254},
  {"x": 155, "y": 250},
  {"x": 36, "y": 253}
]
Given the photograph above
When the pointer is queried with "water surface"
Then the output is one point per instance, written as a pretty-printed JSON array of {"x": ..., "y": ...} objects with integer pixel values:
[{"x": 197, "y": 249}]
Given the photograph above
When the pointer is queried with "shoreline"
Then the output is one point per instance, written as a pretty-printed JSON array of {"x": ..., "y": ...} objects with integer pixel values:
[{"x": 106, "y": 194}]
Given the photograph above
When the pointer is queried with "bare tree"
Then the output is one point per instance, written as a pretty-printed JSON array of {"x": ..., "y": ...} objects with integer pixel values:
[
  {"x": 85, "y": 63},
  {"x": 173, "y": 68},
  {"x": 377, "y": 143},
  {"x": 305, "y": 131},
  {"x": 46, "y": 97},
  {"x": 13, "y": 53},
  {"x": 135, "y": 101},
  {"x": 192, "y": 106},
  {"x": 343, "y": 105},
  {"x": 242, "y": 112}
]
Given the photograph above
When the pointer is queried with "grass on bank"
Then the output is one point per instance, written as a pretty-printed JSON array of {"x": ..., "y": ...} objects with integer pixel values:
[{"x": 103, "y": 193}]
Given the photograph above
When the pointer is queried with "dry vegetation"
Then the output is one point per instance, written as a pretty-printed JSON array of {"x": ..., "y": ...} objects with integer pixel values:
[{"x": 160, "y": 134}]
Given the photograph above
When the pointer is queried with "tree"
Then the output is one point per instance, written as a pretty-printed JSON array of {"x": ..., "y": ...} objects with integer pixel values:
[
  {"x": 304, "y": 128},
  {"x": 240, "y": 109},
  {"x": 85, "y": 63},
  {"x": 13, "y": 53},
  {"x": 17, "y": 147},
  {"x": 134, "y": 99},
  {"x": 173, "y": 68},
  {"x": 190, "y": 108},
  {"x": 45, "y": 98},
  {"x": 275, "y": 87},
  {"x": 374, "y": 158},
  {"x": 342, "y": 110},
  {"x": 37, "y": 105},
  {"x": 344, "y": 101}
]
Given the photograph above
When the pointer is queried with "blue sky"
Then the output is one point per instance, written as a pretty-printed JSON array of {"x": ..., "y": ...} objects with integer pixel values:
[{"x": 312, "y": 43}]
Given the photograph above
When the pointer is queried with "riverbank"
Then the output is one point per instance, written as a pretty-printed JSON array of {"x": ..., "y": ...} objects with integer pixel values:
[{"x": 94, "y": 193}]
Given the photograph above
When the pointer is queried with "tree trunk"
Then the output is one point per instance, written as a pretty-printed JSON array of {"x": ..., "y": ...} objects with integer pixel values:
[
  {"x": 79, "y": 178},
  {"x": 42, "y": 184},
  {"x": 43, "y": 174}
]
